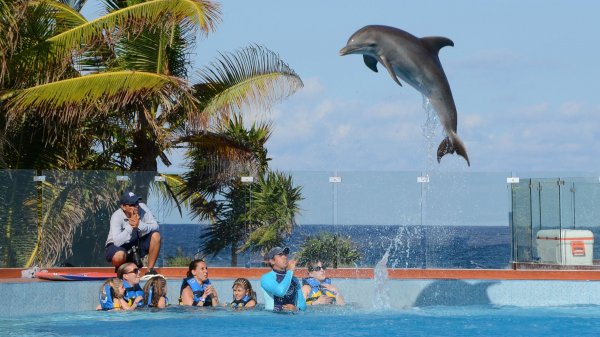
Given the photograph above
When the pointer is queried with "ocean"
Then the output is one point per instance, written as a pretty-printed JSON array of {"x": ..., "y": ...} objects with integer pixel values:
[{"x": 471, "y": 247}]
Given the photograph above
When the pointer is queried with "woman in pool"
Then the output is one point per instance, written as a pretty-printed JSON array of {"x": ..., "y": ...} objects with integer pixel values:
[
  {"x": 196, "y": 289},
  {"x": 317, "y": 288},
  {"x": 155, "y": 292},
  {"x": 243, "y": 295},
  {"x": 111, "y": 296}
]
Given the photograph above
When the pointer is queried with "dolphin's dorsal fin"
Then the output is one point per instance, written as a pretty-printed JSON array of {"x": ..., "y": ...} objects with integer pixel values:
[
  {"x": 435, "y": 43},
  {"x": 371, "y": 62}
]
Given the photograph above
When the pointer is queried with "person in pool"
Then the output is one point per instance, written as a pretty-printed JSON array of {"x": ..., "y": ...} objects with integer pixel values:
[
  {"x": 243, "y": 295},
  {"x": 196, "y": 289},
  {"x": 111, "y": 296},
  {"x": 283, "y": 292},
  {"x": 155, "y": 292},
  {"x": 317, "y": 288},
  {"x": 129, "y": 273}
]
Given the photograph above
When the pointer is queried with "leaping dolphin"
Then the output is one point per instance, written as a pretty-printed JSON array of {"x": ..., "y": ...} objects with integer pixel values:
[{"x": 416, "y": 61}]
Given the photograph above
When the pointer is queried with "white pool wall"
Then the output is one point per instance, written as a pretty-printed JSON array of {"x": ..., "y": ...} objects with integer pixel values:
[{"x": 26, "y": 298}]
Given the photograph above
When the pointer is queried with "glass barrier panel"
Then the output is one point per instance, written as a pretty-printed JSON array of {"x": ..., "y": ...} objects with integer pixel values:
[
  {"x": 465, "y": 218},
  {"x": 19, "y": 218}
]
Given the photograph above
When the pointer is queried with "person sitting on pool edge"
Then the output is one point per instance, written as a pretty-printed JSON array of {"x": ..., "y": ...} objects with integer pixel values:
[
  {"x": 196, "y": 289},
  {"x": 283, "y": 292},
  {"x": 129, "y": 273},
  {"x": 133, "y": 234},
  {"x": 317, "y": 288}
]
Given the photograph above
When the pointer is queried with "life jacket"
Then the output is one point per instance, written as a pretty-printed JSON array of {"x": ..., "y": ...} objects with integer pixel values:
[
  {"x": 106, "y": 299},
  {"x": 241, "y": 303},
  {"x": 290, "y": 296},
  {"x": 149, "y": 299},
  {"x": 316, "y": 289},
  {"x": 132, "y": 292},
  {"x": 197, "y": 290}
]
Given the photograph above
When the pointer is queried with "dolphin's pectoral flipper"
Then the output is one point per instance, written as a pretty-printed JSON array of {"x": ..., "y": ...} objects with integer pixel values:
[
  {"x": 450, "y": 146},
  {"x": 435, "y": 43},
  {"x": 390, "y": 70},
  {"x": 371, "y": 62}
]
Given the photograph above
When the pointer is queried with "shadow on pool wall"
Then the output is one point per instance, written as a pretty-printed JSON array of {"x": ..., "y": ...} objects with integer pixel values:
[{"x": 454, "y": 292}]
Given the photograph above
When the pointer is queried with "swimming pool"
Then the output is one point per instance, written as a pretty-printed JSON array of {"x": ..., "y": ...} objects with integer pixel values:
[{"x": 483, "y": 320}]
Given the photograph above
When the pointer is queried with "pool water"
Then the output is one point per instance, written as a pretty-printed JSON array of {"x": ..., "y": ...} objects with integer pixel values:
[{"x": 323, "y": 321}]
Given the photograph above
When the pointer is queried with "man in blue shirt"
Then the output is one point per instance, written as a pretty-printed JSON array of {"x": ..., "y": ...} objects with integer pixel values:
[
  {"x": 283, "y": 292},
  {"x": 133, "y": 229}
]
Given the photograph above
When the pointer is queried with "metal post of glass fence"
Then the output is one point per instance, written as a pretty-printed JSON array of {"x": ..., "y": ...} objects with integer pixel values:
[
  {"x": 40, "y": 216},
  {"x": 335, "y": 180},
  {"x": 510, "y": 181},
  {"x": 247, "y": 180}
]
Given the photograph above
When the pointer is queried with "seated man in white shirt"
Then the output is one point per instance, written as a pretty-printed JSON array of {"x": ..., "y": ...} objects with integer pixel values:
[{"x": 133, "y": 234}]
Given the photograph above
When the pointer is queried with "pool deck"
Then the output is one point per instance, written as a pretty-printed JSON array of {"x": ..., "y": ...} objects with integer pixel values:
[{"x": 14, "y": 274}]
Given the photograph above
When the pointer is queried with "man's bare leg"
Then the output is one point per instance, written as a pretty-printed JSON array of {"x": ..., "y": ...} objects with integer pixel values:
[{"x": 154, "y": 249}]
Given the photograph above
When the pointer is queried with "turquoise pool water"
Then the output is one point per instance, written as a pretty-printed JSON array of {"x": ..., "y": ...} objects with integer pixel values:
[{"x": 331, "y": 321}]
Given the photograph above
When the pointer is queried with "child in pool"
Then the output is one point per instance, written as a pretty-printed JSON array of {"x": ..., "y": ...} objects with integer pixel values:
[
  {"x": 155, "y": 292},
  {"x": 111, "y": 296},
  {"x": 243, "y": 295}
]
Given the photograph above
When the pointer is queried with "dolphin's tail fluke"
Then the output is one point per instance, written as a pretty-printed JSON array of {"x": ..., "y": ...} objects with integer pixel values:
[{"x": 452, "y": 144}]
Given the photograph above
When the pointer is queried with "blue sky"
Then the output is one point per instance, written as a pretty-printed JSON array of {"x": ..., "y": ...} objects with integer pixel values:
[{"x": 523, "y": 74}]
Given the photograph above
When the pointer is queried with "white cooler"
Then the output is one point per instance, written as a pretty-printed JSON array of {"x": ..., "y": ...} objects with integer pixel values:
[{"x": 565, "y": 246}]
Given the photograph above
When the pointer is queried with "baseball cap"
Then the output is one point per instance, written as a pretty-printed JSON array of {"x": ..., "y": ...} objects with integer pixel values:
[
  {"x": 277, "y": 251},
  {"x": 129, "y": 198}
]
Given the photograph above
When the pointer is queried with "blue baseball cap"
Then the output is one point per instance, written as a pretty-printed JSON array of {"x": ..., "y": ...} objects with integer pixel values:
[
  {"x": 129, "y": 198},
  {"x": 277, "y": 251}
]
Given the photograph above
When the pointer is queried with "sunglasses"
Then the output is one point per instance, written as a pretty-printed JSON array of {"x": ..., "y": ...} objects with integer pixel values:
[
  {"x": 319, "y": 268},
  {"x": 135, "y": 270}
]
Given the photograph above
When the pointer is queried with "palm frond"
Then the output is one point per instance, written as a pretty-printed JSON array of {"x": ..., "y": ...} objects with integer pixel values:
[
  {"x": 73, "y": 100},
  {"x": 253, "y": 76},
  {"x": 139, "y": 17},
  {"x": 66, "y": 17}
]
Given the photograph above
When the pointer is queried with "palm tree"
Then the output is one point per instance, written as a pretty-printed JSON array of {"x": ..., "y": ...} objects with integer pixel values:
[
  {"x": 217, "y": 161},
  {"x": 114, "y": 91}
]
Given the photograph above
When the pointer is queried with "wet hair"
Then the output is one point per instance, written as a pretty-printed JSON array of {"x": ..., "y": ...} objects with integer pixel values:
[
  {"x": 310, "y": 265},
  {"x": 193, "y": 266},
  {"x": 121, "y": 269},
  {"x": 158, "y": 284},
  {"x": 114, "y": 284},
  {"x": 244, "y": 283}
]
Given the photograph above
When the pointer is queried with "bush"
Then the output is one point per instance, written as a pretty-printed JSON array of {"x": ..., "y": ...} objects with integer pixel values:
[{"x": 332, "y": 249}]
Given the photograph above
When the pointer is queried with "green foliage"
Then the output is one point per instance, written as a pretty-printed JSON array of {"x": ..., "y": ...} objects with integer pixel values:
[
  {"x": 179, "y": 260},
  {"x": 332, "y": 249},
  {"x": 275, "y": 203}
]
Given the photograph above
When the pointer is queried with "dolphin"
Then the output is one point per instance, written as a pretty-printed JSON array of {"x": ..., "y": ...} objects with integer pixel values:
[{"x": 415, "y": 60}]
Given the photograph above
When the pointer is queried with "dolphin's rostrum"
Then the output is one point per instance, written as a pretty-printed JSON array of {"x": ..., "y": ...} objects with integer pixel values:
[{"x": 414, "y": 60}]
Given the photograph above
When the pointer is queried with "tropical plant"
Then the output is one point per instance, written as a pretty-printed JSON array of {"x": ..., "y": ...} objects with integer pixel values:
[
  {"x": 332, "y": 249},
  {"x": 179, "y": 260},
  {"x": 216, "y": 177},
  {"x": 114, "y": 92},
  {"x": 272, "y": 217}
]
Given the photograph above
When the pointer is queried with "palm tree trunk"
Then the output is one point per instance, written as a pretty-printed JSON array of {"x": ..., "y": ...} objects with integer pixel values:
[{"x": 234, "y": 254}]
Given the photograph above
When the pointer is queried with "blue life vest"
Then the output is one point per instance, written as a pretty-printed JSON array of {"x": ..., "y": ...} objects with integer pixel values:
[
  {"x": 290, "y": 295},
  {"x": 132, "y": 292},
  {"x": 241, "y": 303},
  {"x": 149, "y": 300},
  {"x": 197, "y": 290},
  {"x": 316, "y": 289},
  {"x": 106, "y": 301}
]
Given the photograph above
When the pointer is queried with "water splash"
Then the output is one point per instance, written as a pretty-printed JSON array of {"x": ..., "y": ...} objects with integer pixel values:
[
  {"x": 429, "y": 131},
  {"x": 381, "y": 300}
]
